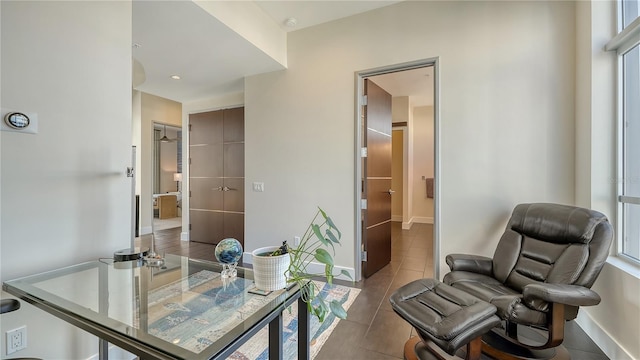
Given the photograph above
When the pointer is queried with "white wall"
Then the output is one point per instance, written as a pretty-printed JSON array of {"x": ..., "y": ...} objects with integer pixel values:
[
  {"x": 507, "y": 81},
  {"x": 65, "y": 196},
  {"x": 397, "y": 173},
  {"x": 423, "y": 163}
]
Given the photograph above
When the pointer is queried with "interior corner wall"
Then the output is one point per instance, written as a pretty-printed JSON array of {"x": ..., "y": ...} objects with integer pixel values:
[
  {"x": 66, "y": 198},
  {"x": 401, "y": 112},
  {"x": 397, "y": 173},
  {"x": 608, "y": 323},
  {"x": 154, "y": 109},
  {"x": 506, "y": 82},
  {"x": 423, "y": 163}
]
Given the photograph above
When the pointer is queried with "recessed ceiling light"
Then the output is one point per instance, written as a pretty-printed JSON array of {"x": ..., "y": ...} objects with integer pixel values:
[
  {"x": 291, "y": 22},
  {"x": 175, "y": 77}
]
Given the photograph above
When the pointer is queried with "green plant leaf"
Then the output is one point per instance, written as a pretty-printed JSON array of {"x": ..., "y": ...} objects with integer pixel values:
[
  {"x": 346, "y": 273},
  {"x": 333, "y": 226},
  {"x": 323, "y": 256},
  {"x": 320, "y": 313},
  {"x": 337, "y": 309},
  {"x": 332, "y": 236},
  {"x": 316, "y": 231},
  {"x": 324, "y": 214}
]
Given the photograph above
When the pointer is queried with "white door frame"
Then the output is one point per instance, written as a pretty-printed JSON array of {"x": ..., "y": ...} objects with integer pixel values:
[{"x": 359, "y": 79}]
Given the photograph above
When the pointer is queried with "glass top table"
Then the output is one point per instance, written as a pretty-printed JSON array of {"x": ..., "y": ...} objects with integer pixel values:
[{"x": 183, "y": 309}]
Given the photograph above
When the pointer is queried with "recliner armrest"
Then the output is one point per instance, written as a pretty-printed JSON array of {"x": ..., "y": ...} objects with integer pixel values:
[
  {"x": 559, "y": 293},
  {"x": 472, "y": 263}
]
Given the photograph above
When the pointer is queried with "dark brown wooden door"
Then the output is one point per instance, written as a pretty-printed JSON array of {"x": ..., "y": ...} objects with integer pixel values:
[
  {"x": 216, "y": 175},
  {"x": 376, "y": 226}
]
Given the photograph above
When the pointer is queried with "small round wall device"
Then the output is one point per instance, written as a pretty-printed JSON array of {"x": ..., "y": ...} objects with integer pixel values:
[{"x": 16, "y": 120}]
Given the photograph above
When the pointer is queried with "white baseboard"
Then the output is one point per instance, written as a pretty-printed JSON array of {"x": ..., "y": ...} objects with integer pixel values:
[
  {"x": 416, "y": 219},
  {"x": 184, "y": 236},
  {"x": 145, "y": 230},
  {"x": 606, "y": 343},
  {"x": 422, "y": 220},
  {"x": 116, "y": 353},
  {"x": 313, "y": 267}
]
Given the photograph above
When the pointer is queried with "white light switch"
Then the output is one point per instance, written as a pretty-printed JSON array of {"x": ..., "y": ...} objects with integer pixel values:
[{"x": 258, "y": 186}]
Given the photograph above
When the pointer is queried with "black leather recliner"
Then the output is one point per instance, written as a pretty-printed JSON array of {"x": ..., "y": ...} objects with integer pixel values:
[{"x": 541, "y": 273}]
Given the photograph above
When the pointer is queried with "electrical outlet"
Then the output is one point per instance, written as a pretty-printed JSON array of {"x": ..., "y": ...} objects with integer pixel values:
[
  {"x": 296, "y": 240},
  {"x": 16, "y": 339}
]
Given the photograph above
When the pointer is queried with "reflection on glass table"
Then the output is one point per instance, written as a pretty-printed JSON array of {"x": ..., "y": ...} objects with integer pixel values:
[{"x": 183, "y": 309}]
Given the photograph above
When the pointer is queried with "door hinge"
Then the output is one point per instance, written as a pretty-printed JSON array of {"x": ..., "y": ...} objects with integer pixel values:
[
  {"x": 189, "y": 227},
  {"x": 189, "y": 193},
  {"x": 364, "y": 152},
  {"x": 363, "y": 204},
  {"x": 363, "y": 255},
  {"x": 189, "y": 127},
  {"x": 364, "y": 101},
  {"x": 189, "y": 161}
]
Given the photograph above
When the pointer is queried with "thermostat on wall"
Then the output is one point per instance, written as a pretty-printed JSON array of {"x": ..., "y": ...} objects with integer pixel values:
[{"x": 18, "y": 121}]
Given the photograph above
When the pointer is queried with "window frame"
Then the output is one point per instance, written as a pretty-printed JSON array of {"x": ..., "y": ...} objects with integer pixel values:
[{"x": 626, "y": 39}]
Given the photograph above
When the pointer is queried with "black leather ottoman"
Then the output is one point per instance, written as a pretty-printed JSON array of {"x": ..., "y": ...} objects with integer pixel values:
[{"x": 444, "y": 316}]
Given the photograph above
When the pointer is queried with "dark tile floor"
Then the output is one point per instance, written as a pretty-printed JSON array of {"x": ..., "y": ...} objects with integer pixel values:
[{"x": 372, "y": 330}]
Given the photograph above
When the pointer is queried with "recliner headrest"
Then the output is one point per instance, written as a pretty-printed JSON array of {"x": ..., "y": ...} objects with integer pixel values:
[{"x": 556, "y": 223}]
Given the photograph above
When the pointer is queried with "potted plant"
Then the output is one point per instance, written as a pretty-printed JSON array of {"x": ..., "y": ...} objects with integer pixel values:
[
  {"x": 317, "y": 243},
  {"x": 270, "y": 265}
]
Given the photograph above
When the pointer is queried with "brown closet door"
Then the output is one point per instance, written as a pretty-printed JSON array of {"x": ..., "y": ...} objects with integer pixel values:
[
  {"x": 233, "y": 169},
  {"x": 216, "y": 175}
]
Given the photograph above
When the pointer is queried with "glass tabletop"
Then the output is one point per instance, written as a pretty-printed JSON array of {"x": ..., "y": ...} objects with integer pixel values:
[{"x": 183, "y": 309}]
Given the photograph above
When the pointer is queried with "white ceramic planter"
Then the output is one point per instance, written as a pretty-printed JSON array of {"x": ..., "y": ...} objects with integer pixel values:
[{"x": 269, "y": 271}]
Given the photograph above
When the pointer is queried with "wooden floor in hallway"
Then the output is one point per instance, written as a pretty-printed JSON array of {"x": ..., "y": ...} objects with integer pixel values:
[{"x": 372, "y": 330}]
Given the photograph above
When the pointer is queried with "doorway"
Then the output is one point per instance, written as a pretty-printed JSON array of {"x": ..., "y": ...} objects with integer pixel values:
[
  {"x": 167, "y": 177},
  {"x": 216, "y": 175},
  {"x": 415, "y": 122}
]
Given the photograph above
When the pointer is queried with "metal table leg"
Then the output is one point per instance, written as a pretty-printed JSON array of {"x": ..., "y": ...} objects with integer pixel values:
[
  {"x": 304, "y": 324},
  {"x": 275, "y": 338}
]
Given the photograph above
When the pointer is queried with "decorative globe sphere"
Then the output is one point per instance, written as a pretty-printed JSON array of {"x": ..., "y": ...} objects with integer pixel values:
[{"x": 228, "y": 251}]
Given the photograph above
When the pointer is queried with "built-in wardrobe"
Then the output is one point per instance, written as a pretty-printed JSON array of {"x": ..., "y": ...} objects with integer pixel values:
[{"x": 216, "y": 175}]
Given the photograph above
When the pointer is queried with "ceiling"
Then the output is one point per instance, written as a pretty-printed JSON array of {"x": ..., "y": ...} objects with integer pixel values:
[
  {"x": 309, "y": 12},
  {"x": 415, "y": 83},
  {"x": 180, "y": 38}
]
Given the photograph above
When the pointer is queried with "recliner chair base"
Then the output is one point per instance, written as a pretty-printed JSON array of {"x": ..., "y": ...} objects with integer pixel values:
[
  {"x": 417, "y": 349},
  {"x": 496, "y": 345},
  {"x": 496, "y": 348}
]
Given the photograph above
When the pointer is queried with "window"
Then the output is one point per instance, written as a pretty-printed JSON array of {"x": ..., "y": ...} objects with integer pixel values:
[
  {"x": 629, "y": 11},
  {"x": 626, "y": 44},
  {"x": 630, "y": 196}
]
